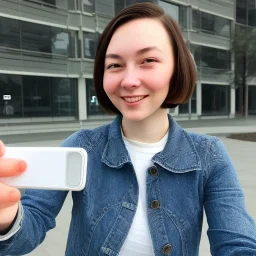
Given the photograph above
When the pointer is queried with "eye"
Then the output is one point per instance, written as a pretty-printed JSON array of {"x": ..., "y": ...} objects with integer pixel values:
[
  {"x": 148, "y": 61},
  {"x": 112, "y": 66}
]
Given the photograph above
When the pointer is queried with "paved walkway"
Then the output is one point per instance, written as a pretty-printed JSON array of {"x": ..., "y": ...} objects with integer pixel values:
[
  {"x": 228, "y": 125},
  {"x": 242, "y": 154}
]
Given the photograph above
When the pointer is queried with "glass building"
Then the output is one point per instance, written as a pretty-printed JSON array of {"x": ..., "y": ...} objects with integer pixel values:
[{"x": 47, "y": 50}]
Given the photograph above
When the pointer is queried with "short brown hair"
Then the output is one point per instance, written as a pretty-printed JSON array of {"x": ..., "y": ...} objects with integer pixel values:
[{"x": 184, "y": 76}]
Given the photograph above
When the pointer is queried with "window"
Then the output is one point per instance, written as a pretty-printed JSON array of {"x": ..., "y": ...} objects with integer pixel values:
[
  {"x": 210, "y": 23},
  {"x": 170, "y": 9},
  {"x": 196, "y": 23},
  {"x": 60, "y": 41},
  {"x": 193, "y": 102},
  {"x": 207, "y": 22},
  {"x": 252, "y": 4},
  {"x": 251, "y": 66},
  {"x": 93, "y": 107},
  {"x": 252, "y": 13},
  {"x": 53, "y": 2},
  {"x": 72, "y": 5},
  {"x": 196, "y": 52},
  {"x": 222, "y": 26},
  {"x": 61, "y": 3},
  {"x": 251, "y": 100},
  {"x": 36, "y": 37},
  {"x": 241, "y": 11},
  {"x": 119, "y": 5},
  {"x": 178, "y": 13},
  {"x": 41, "y": 38},
  {"x": 90, "y": 44},
  {"x": 36, "y": 96},
  {"x": 252, "y": 18},
  {"x": 184, "y": 108},
  {"x": 104, "y": 6},
  {"x": 73, "y": 49},
  {"x": 215, "y": 24},
  {"x": 88, "y": 6},
  {"x": 211, "y": 57},
  {"x": 215, "y": 58},
  {"x": 9, "y": 33},
  {"x": 64, "y": 97},
  {"x": 10, "y": 85},
  {"x": 215, "y": 99},
  {"x": 49, "y": 3},
  {"x": 183, "y": 16}
]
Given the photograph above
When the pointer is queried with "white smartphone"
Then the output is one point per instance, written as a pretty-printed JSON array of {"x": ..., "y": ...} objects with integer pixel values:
[{"x": 54, "y": 168}]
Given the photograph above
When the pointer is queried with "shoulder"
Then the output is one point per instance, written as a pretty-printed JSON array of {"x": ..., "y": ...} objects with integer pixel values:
[
  {"x": 87, "y": 138},
  {"x": 210, "y": 144},
  {"x": 209, "y": 148},
  {"x": 202, "y": 141},
  {"x": 212, "y": 152}
]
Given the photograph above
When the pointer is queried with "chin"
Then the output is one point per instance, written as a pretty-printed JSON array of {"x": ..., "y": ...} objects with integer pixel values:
[{"x": 136, "y": 117}]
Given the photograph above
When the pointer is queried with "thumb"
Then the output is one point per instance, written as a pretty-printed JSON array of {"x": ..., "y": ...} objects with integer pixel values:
[{"x": 8, "y": 196}]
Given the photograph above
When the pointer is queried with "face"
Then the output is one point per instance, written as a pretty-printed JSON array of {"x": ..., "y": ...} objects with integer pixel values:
[{"x": 139, "y": 65}]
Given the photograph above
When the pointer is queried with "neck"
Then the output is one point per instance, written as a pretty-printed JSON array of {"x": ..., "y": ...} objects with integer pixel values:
[{"x": 149, "y": 130}]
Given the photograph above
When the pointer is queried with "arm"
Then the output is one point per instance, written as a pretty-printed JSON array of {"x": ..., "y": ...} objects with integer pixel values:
[
  {"x": 40, "y": 208},
  {"x": 231, "y": 230}
]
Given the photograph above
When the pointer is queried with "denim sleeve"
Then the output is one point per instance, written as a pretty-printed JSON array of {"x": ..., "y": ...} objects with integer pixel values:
[
  {"x": 231, "y": 230},
  {"x": 40, "y": 208},
  {"x": 16, "y": 225}
]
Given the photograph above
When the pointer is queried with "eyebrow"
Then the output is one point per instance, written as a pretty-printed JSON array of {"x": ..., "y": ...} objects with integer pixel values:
[{"x": 139, "y": 52}]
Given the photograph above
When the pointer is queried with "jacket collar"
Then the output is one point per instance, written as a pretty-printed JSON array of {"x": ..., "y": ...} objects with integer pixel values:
[{"x": 179, "y": 154}]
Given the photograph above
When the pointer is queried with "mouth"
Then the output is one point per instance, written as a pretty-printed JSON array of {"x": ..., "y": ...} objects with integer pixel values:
[{"x": 133, "y": 99}]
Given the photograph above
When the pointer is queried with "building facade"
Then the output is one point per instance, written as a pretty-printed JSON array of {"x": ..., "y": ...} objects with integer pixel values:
[{"x": 47, "y": 51}]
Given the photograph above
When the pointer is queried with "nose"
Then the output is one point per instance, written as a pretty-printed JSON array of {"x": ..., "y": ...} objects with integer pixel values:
[{"x": 131, "y": 79}]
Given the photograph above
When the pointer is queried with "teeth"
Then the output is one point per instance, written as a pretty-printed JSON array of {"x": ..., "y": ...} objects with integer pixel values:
[{"x": 134, "y": 99}]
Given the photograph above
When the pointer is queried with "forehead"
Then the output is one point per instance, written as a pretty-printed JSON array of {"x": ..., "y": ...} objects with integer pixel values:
[{"x": 140, "y": 33}]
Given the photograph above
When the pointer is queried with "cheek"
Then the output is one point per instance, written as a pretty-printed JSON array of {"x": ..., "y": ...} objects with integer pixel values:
[
  {"x": 109, "y": 84},
  {"x": 106, "y": 84},
  {"x": 158, "y": 82}
]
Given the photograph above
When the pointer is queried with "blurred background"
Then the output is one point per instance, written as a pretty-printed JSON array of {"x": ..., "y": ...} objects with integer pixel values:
[{"x": 47, "y": 51}]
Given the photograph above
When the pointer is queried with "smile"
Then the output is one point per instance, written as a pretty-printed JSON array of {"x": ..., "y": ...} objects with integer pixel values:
[{"x": 133, "y": 99}]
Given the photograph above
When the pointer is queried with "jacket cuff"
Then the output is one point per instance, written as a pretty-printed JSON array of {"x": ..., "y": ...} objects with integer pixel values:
[{"x": 16, "y": 226}]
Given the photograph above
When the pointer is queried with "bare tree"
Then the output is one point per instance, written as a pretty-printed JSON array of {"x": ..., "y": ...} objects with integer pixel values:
[{"x": 244, "y": 47}]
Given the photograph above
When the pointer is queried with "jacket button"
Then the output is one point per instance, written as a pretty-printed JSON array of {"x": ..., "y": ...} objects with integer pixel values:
[
  {"x": 153, "y": 171},
  {"x": 155, "y": 204},
  {"x": 167, "y": 249}
]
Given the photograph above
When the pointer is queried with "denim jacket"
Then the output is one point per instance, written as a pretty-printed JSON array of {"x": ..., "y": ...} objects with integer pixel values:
[{"x": 192, "y": 173}]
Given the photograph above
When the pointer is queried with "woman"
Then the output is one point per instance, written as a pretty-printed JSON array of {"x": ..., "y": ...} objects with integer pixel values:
[{"x": 148, "y": 180}]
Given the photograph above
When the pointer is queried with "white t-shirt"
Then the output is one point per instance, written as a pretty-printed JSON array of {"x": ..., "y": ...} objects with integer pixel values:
[{"x": 138, "y": 241}]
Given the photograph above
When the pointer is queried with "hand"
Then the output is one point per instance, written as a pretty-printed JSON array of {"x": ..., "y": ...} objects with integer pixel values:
[{"x": 9, "y": 196}]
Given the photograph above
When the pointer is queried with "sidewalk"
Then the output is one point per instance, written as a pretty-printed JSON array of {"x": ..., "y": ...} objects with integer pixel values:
[{"x": 223, "y": 126}]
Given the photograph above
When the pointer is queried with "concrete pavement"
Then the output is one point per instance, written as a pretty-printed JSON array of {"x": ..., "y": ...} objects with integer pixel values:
[
  {"x": 242, "y": 154},
  {"x": 229, "y": 125}
]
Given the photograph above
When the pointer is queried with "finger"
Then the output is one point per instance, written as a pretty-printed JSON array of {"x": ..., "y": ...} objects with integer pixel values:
[
  {"x": 8, "y": 196},
  {"x": 2, "y": 148},
  {"x": 11, "y": 167}
]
